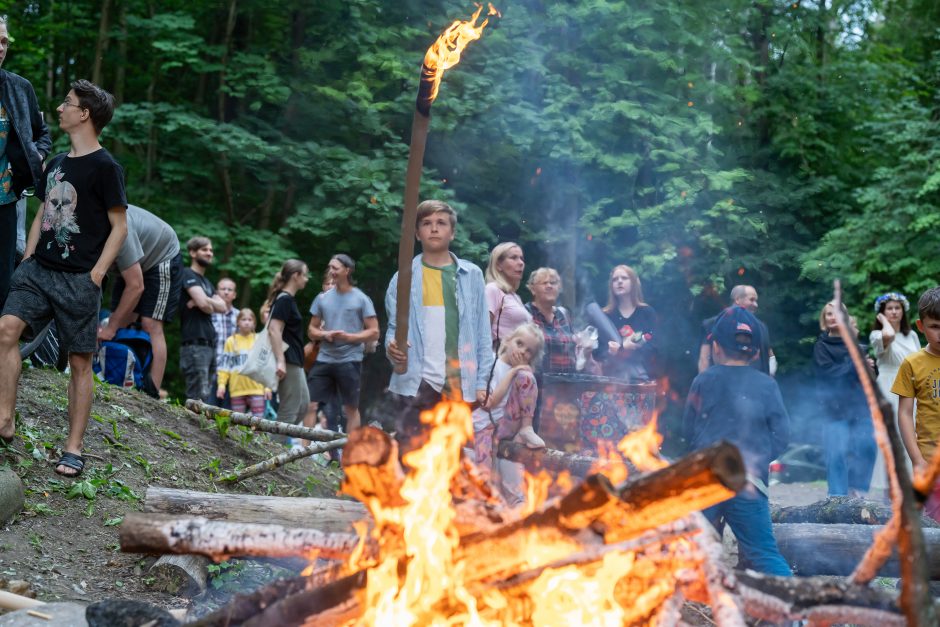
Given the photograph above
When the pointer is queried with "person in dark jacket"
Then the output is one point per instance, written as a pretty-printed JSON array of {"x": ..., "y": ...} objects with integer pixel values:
[
  {"x": 848, "y": 434},
  {"x": 24, "y": 144}
]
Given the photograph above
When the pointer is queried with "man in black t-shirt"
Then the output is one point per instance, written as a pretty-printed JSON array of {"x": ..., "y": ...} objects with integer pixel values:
[
  {"x": 73, "y": 241},
  {"x": 197, "y": 338}
]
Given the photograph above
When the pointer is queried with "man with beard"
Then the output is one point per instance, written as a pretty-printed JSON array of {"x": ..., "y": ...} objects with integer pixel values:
[
  {"x": 197, "y": 336},
  {"x": 744, "y": 296},
  {"x": 24, "y": 144}
]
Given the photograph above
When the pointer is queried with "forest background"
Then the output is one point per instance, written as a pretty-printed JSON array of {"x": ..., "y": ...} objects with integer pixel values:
[{"x": 707, "y": 143}]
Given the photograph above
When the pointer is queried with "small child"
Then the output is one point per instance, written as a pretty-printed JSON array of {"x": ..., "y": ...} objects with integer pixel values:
[
  {"x": 919, "y": 378},
  {"x": 510, "y": 407},
  {"x": 246, "y": 393},
  {"x": 732, "y": 401}
]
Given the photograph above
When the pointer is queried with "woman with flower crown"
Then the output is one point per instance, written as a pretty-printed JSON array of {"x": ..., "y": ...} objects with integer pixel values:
[{"x": 892, "y": 339}]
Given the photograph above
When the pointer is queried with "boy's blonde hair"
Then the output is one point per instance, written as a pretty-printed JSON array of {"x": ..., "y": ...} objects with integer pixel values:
[{"x": 534, "y": 332}]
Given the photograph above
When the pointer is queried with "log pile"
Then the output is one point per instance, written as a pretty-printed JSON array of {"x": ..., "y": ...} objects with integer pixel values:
[{"x": 646, "y": 530}]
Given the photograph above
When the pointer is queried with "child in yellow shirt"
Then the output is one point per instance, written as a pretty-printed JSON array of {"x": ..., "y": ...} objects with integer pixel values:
[{"x": 245, "y": 393}]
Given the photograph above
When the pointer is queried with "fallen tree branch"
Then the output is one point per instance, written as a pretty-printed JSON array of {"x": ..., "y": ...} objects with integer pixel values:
[
  {"x": 260, "y": 424},
  {"x": 324, "y": 514},
  {"x": 284, "y": 458},
  {"x": 156, "y": 534}
]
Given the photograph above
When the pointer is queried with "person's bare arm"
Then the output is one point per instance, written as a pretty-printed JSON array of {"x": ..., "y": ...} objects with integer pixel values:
[
  {"x": 117, "y": 216},
  {"x": 906, "y": 426},
  {"x": 32, "y": 237},
  {"x": 704, "y": 357},
  {"x": 124, "y": 312},
  {"x": 203, "y": 302},
  {"x": 315, "y": 329},
  {"x": 276, "y": 334},
  {"x": 496, "y": 397},
  {"x": 369, "y": 334}
]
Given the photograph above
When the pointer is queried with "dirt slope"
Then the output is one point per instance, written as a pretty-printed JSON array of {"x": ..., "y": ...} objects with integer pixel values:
[{"x": 65, "y": 542}]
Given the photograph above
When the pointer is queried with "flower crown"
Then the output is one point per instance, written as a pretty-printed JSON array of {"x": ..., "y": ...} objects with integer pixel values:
[{"x": 898, "y": 296}]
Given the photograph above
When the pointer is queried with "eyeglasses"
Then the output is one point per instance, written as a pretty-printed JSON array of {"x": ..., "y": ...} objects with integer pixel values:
[{"x": 66, "y": 103}]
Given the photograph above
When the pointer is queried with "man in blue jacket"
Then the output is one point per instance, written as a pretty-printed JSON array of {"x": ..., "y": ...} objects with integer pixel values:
[
  {"x": 24, "y": 144},
  {"x": 448, "y": 325}
]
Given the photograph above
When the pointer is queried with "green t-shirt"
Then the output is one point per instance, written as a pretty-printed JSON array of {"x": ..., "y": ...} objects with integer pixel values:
[{"x": 441, "y": 366}]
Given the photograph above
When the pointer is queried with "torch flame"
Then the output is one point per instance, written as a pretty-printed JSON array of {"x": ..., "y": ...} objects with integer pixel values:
[{"x": 445, "y": 52}]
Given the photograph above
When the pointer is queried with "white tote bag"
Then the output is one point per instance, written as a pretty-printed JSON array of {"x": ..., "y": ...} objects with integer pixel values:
[{"x": 260, "y": 364}]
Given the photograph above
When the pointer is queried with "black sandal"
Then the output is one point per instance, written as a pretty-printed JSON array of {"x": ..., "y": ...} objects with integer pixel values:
[{"x": 70, "y": 460}]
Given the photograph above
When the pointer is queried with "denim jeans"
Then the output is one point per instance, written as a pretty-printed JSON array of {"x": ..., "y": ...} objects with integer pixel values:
[
  {"x": 850, "y": 453},
  {"x": 748, "y": 515}
]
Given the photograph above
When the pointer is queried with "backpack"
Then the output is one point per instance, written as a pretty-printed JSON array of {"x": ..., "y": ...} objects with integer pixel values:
[{"x": 125, "y": 360}]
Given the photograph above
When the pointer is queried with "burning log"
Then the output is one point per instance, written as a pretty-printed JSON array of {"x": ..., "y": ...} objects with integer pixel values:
[
  {"x": 155, "y": 534},
  {"x": 372, "y": 468},
  {"x": 841, "y": 510},
  {"x": 327, "y": 515},
  {"x": 550, "y": 460},
  {"x": 695, "y": 482},
  {"x": 836, "y": 549},
  {"x": 260, "y": 424}
]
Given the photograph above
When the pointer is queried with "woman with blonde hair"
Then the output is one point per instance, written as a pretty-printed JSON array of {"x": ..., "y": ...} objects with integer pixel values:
[
  {"x": 503, "y": 276},
  {"x": 285, "y": 329},
  {"x": 632, "y": 356},
  {"x": 848, "y": 434}
]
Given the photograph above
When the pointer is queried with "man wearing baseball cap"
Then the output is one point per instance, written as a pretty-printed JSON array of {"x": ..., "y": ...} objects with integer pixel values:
[{"x": 734, "y": 402}]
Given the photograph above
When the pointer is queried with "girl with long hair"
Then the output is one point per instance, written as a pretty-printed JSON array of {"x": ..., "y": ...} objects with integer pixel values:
[
  {"x": 892, "y": 339},
  {"x": 246, "y": 394},
  {"x": 631, "y": 357},
  {"x": 285, "y": 328}
]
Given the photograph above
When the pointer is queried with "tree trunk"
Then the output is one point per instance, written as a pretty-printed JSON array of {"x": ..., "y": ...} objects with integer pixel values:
[
  {"x": 102, "y": 44},
  {"x": 547, "y": 459},
  {"x": 327, "y": 515},
  {"x": 836, "y": 549}
]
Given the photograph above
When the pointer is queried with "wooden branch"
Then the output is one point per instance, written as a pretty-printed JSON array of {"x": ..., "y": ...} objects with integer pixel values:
[
  {"x": 915, "y": 596},
  {"x": 372, "y": 469},
  {"x": 260, "y": 424},
  {"x": 835, "y": 549},
  {"x": 547, "y": 459},
  {"x": 284, "y": 458},
  {"x": 327, "y": 515},
  {"x": 157, "y": 534}
]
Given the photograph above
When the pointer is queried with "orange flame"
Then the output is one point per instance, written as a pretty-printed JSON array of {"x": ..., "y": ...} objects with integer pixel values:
[{"x": 445, "y": 52}]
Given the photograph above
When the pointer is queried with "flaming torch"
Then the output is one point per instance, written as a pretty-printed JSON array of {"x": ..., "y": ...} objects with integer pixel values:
[{"x": 442, "y": 55}]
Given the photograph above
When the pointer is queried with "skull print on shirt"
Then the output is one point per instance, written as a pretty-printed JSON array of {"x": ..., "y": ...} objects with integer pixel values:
[{"x": 59, "y": 212}]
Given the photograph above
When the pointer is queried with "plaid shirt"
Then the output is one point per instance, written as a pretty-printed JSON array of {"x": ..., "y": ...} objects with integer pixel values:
[
  {"x": 225, "y": 325},
  {"x": 559, "y": 354}
]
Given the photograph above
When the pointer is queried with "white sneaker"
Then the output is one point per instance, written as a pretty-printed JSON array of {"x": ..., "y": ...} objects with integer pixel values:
[{"x": 530, "y": 438}]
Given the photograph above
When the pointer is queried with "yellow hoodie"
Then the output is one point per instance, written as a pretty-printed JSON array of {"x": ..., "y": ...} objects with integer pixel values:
[{"x": 233, "y": 357}]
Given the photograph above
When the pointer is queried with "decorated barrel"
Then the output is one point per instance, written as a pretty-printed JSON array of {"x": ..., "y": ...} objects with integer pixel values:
[{"x": 578, "y": 410}]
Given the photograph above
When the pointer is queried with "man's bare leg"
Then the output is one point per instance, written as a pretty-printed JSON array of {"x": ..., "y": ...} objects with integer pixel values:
[
  {"x": 352, "y": 417},
  {"x": 11, "y": 328},
  {"x": 158, "y": 342},
  {"x": 81, "y": 388}
]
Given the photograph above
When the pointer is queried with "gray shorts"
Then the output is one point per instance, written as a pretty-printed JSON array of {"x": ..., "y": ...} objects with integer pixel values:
[{"x": 38, "y": 294}]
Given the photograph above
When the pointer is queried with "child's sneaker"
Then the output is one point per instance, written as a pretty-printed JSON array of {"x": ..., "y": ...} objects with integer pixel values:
[{"x": 530, "y": 438}]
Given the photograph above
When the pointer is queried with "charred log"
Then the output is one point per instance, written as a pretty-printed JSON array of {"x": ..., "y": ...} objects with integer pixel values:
[{"x": 547, "y": 459}]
